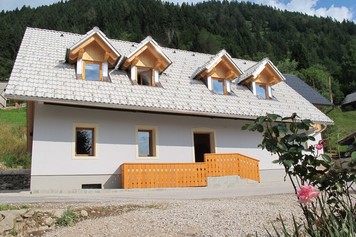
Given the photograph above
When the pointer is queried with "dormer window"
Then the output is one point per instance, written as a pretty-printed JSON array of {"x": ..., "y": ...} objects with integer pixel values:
[
  {"x": 92, "y": 71},
  {"x": 146, "y": 63},
  {"x": 218, "y": 73},
  {"x": 260, "y": 78},
  {"x": 145, "y": 76},
  {"x": 94, "y": 56},
  {"x": 262, "y": 91}
]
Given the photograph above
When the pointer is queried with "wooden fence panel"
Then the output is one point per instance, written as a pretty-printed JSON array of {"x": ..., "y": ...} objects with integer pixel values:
[{"x": 164, "y": 175}]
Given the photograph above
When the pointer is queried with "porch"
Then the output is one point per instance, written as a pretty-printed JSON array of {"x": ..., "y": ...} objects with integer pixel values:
[{"x": 164, "y": 175}]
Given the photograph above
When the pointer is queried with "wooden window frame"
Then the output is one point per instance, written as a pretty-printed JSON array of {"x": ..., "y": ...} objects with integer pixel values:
[
  {"x": 265, "y": 86},
  {"x": 85, "y": 62},
  {"x": 224, "y": 85},
  {"x": 152, "y": 142},
  {"x": 152, "y": 79},
  {"x": 93, "y": 145}
]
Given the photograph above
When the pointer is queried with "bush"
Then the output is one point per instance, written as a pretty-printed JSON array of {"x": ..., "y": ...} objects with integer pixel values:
[
  {"x": 68, "y": 218},
  {"x": 323, "y": 189}
]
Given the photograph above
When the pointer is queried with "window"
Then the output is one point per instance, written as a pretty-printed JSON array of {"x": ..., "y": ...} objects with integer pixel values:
[
  {"x": 146, "y": 143},
  {"x": 220, "y": 86},
  {"x": 263, "y": 91},
  {"x": 145, "y": 76},
  {"x": 92, "y": 71},
  {"x": 84, "y": 142}
]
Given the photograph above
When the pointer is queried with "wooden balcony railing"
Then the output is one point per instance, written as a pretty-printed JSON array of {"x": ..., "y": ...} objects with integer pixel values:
[{"x": 161, "y": 175}]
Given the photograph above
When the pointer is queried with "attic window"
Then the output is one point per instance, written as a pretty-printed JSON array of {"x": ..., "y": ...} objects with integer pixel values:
[
  {"x": 218, "y": 73},
  {"x": 92, "y": 71},
  {"x": 260, "y": 78},
  {"x": 145, "y": 76},
  {"x": 261, "y": 90},
  {"x": 94, "y": 56},
  {"x": 219, "y": 86},
  {"x": 146, "y": 63}
]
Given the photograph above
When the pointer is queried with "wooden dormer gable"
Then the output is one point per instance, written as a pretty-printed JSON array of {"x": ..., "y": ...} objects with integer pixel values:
[
  {"x": 221, "y": 66},
  {"x": 264, "y": 72},
  {"x": 94, "y": 46},
  {"x": 148, "y": 54}
]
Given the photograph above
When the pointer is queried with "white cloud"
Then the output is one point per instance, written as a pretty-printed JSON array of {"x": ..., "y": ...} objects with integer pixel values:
[
  {"x": 310, "y": 7},
  {"x": 304, "y": 6}
]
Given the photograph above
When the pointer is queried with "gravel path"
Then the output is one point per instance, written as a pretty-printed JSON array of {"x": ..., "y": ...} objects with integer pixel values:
[{"x": 242, "y": 216}]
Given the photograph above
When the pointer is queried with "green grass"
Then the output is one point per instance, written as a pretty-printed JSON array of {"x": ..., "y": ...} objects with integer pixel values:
[
  {"x": 13, "y": 150},
  {"x": 345, "y": 124},
  {"x": 7, "y": 207},
  {"x": 68, "y": 218},
  {"x": 13, "y": 117}
]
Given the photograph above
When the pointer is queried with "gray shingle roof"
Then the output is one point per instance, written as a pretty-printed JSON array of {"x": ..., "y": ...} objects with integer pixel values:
[
  {"x": 40, "y": 74},
  {"x": 350, "y": 98},
  {"x": 305, "y": 90}
]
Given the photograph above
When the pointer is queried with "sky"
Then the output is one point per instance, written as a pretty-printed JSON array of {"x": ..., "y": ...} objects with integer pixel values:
[{"x": 336, "y": 9}]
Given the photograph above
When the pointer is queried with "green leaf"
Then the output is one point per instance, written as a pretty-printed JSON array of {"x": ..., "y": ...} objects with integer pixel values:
[
  {"x": 282, "y": 146},
  {"x": 245, "y": 127},
  {"x": 326, "y": 158}
]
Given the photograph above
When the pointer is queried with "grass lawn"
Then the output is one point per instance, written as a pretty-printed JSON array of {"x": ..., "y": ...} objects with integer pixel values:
[
  {"x": 345, "y": 124},
  {"x": 13, "y": 152},
  {"x": 13, "y": 117}
]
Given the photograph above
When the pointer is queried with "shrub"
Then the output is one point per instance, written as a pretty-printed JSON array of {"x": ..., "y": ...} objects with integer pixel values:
[
  {"x": 310, "y": 171},
  {"x": 68, "y": 218}
]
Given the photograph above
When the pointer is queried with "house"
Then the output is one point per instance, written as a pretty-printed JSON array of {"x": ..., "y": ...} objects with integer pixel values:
[
  {"x": 96, "y": 104},
  {"x": 306, "y": 91},
  {"x": 2, "y": 94},
  {"x": 349, "y": 103}
]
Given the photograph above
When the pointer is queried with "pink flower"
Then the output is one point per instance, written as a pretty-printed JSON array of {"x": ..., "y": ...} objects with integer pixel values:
[
  {"x": 319, "y": 147},
  {"x": 307, "y": 194}
]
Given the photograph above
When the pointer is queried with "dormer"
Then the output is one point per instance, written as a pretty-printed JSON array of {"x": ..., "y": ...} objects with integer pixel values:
[
  {"x": 218, "y": 73},
  {"x": 94, "y": 56},
  {"x": 146, "y": 63},
  {"x": 260, "y": 78}
]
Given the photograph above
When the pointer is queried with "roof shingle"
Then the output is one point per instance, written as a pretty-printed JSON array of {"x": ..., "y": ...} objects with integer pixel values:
[{"x": 40, "y": 74}]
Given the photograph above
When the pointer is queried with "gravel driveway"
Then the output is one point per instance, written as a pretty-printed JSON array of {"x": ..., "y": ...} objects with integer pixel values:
[{"x": 239, "y": 216}]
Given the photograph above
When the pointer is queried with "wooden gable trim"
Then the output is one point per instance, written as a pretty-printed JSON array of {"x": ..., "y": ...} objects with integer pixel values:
[
  {"x": 160, "y": 62},
  {"x": 77, "y": 52}
]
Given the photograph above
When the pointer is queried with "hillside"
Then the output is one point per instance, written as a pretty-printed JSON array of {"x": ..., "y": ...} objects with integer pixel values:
[
  {"x": 344, "y": 125},
  {"x": 309, "y": 46},
  {"x": 13, "y": 139}
]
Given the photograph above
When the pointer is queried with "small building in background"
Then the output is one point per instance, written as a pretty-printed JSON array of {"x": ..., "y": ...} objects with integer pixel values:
[
  {"x": 2, "y": 94},
  {"x": 306, "y": 91},
  {"x": 349, "y": 103}
]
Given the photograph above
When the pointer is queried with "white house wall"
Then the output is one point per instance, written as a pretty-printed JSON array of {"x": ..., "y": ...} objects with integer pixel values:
[{"x": 53, "y": 141}]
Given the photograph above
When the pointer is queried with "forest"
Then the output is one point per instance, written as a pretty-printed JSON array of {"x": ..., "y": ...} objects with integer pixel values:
[{"x": 317, "y": 49}]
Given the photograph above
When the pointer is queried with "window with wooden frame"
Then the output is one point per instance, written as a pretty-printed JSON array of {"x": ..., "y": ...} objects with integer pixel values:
[
  {"x": 263, "y": 91},
  {"x": 219, "y": 86},
  {"x": 145, "y": 76},
  {"x": 92, "y": 71},
  {"x": 146, "y": 142},
  {"x": 84, "y": 141}
]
